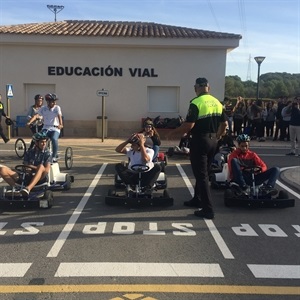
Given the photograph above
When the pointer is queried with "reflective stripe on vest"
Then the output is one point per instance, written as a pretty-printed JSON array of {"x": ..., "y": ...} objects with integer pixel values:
[{"x": 208, "y": 106}]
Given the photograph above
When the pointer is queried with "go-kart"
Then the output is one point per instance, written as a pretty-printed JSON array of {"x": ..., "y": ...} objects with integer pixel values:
[
  {"x": 137, "y": 195},
  {"x": 257, "y": 197},
  {"x": 42, "y": 194},
  {"x": 219, "y": 173},
  {"x": 182, "y": 150}
]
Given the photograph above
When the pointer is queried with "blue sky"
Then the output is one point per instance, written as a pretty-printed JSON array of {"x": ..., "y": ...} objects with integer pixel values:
[{"x": 270, "y": 28}]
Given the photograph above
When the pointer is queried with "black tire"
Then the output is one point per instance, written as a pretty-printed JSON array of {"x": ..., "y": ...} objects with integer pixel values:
[
  {"x": 69, "y": 158},
  {"x": 170, "y": 151},
  {"x": 68, "y": 184},
  {"x": 283, "y": 195},
  {"x": 111, "y": 193},
  {"x": 166, "y": 160},
  {"x": 20, "y": 147},
  {"x": 228, "y": 195},
  {"x": 48, "y": 195},
  {"x": 166, "y": 194}
]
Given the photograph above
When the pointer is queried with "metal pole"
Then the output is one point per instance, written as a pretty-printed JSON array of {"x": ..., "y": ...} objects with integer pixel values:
[
  {"x": 257, "y": 88},
  {"x": 8, "y": 113},
  {"x": 103, "y": 116}
]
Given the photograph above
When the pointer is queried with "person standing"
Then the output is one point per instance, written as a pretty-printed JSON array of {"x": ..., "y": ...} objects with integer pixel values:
[
  {"x": 3, "y": 114},
  {"x": 206, "y": 120},
  {"x": 294, "y": 126},
  {"x": 37, "y": 125},
  {"x": 239, "y": 112},
  {"x": 53, "y": 122}
]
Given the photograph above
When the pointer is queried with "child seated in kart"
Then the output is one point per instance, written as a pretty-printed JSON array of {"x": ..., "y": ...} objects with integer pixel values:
[
  {"x": 152, "y": 136},
  {"x": 243, "y": 159},
  {"x": 38, "y": 159},
  {"x": 138, "y": 153}
]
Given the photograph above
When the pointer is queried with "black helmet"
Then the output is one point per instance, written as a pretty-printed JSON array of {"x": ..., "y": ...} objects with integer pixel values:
[
  {"x": 8, "y": 121},
  {"x": 40, "y": 136},
  {"x": 38, "y": 96},
  {"x": 148, "y": 122},
  {"x": 243, "y": 138},
  {"x": 51, "y": 97}
]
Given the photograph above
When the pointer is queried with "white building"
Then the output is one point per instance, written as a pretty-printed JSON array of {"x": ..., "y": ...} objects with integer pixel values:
[{"x": 148, "y": 69}]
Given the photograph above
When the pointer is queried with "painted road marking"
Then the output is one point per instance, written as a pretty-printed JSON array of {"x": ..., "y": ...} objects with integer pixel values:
[
  {"x": 209, "y": 223},
  {"x": 275, "y": 271},
  {"x": 119, "y": 269},
  {"x": 14, "y": 269},
  {"x": 54, "y": 251},
  {"x": 152, "y": 288},
  {"x": 286, "y": 187}
]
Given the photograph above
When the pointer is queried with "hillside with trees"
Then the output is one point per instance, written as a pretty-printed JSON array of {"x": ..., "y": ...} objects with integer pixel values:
[{"x": 271, "y": 86}]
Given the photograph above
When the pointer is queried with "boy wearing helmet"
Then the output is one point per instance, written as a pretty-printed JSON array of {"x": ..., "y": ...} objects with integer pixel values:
[
  {"x": 53, "y": 122},
  {"x": 243, "y": 157},
  {"x": 138, "y": 153},
  {"x": 38, "y": 158}
]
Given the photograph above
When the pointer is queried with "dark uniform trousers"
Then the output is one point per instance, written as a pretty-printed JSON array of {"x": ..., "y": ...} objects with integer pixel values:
[{"x": 202, "y": 150}]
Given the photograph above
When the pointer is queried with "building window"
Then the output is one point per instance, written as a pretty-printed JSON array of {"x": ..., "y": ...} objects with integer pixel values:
[{"x": 163, "y": 99}]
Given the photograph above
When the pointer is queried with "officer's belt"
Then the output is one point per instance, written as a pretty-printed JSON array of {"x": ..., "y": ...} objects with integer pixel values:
[{"x": 209, "y": 135}]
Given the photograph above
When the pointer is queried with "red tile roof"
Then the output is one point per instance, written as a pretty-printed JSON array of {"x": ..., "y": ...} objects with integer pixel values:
[{"x": 113, "y": 29}]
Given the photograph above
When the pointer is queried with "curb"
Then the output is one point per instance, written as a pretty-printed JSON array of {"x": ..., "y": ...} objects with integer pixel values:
[{"x": 292, "y": 178}]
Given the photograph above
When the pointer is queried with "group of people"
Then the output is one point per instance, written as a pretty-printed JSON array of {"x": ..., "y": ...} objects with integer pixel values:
[
  {"x": 265, "y": 119},
  {"x": 205, "y": 123},
  {"x": 45, "y": 123}
]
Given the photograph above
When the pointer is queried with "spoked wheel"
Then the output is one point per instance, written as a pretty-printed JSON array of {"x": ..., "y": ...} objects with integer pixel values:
[
  {"x": 69, "y": 158},
  {"x": 20, "y": 147}
]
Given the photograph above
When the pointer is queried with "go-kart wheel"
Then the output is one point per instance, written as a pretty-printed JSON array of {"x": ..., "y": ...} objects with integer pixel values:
[
  {"x": 48, "y": 195},
  {"x": 139, "y": 168},
  {"x": 170, "y": 151},
  {"x": 69, "y": 158},
  {"x": 166, "y": 160},
  {"x": 166, "y": 194},
  {"x": 20, "y": 147},
  {"x": 111, "y": 192},
  {"x": 283, "y": 195},
  {"x": 162, "y": 166},
  {"x": 228, "y": 195},
  {"x": 68, "y": 183}
]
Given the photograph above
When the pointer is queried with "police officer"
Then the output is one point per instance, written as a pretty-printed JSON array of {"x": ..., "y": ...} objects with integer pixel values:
[
  {"x": 2, "y": 113},
  {"x": 206, "y": 121}
]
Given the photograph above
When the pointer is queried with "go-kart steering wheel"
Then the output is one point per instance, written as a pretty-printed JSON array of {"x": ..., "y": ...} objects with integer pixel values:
[
  {"x": 140, "y": 168},
  {"x": 24, "y": 169},
  {"x": 254, "y": 169}
]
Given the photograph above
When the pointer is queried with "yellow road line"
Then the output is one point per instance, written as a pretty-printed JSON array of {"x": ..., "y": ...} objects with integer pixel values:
[{"x": 169, "y": 288}]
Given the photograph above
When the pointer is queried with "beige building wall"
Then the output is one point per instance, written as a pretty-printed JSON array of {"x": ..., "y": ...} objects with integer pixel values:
[{"x": 25, "y": 64}]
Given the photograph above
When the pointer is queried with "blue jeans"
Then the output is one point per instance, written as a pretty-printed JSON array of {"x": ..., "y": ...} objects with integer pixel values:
[
  {"x": 54, "y": 135},
  {"x": 156, "y": 150},
  {"x": 243, "y": 178}
]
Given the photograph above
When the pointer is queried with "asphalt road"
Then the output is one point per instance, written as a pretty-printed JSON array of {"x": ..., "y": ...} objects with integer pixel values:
[{"x": 84, "y": 249}]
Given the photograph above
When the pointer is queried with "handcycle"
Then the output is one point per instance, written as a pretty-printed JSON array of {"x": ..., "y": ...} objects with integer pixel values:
[
  {"x": 258, "y": 196},
  {"x": 20, "y": 149},
  {"x": 137, "y": 195}
]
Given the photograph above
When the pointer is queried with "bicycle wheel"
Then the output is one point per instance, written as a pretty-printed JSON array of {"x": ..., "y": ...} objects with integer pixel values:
[
  {"x": 49, "y": 146},
  {"x": 69, "y": 158},
  {"x": 20, "y": 147}
]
